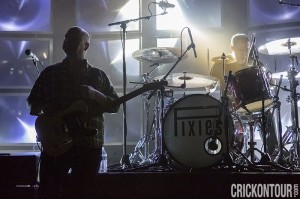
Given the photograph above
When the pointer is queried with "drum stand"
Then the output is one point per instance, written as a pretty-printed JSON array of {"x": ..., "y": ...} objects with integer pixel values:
[
  {"x": 144, "y": 141},
  {"x": 227, "y": 160},
  {"x": 160, "y": 162},
  {"x": 265, "y": 160},
  {"x": 295, "y": 150}
]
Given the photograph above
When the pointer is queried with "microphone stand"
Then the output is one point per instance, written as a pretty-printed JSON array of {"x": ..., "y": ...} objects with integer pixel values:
[
  {"x": 125, "y": 162},
  {"x": 36, "y": 67},
  {"x": 160, "y": 160}
]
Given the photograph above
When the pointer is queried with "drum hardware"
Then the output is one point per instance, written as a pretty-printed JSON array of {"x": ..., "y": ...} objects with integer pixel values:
[
  {"x": 189, "y": 80},
  {"x": 247, "y": 102},
  {"x": 160, "y": 55},
  {"x": 160, "y": 159},
  {"x": 147, "y": 134},
  {"x": 227, "y": 159},
  {"x": 265, "y": 159},
  {"x": 277, "y": 106},
  {"x": 144, "y": 141},
  {"x": 295, "y": 150}
]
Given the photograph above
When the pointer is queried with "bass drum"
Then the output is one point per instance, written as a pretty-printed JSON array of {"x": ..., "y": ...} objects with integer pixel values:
[{"x": 194, "y": 132}]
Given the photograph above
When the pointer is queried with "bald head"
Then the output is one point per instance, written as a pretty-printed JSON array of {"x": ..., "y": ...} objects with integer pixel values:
[{"x": 76, "y": 43}]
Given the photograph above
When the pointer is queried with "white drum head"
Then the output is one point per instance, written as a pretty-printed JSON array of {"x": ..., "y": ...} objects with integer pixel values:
[{"x": 194, "y": 132}]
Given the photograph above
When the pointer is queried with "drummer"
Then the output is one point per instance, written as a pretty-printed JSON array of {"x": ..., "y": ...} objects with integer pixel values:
[{"x": 233, "y": 62}]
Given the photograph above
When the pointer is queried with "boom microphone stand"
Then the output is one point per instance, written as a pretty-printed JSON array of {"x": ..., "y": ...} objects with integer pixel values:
[
  {"x": 125, "y": 162},
  {"x": 160, "y": 161}
]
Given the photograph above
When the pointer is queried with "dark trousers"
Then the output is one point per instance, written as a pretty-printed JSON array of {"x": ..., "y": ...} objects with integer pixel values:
[{"x": 55, "y": 182}]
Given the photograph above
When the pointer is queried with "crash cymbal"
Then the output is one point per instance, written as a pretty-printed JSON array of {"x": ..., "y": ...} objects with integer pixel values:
[
  {"x": 281, "y": 47},
  {"x": 284, "y": 75},
  {"x": 191, "y": 80},
  {"x": 228, "y": 59},
  {"x": 159, "y": 55}
]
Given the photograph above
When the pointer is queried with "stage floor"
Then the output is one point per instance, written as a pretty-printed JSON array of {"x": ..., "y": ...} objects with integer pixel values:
[
  {"x": 217, "y": 183},
  {"x": 161, "y": 182},
  {"x": 180, "y": 185}
]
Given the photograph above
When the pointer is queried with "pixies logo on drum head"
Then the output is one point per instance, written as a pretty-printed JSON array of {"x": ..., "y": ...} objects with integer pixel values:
[
  {"x": 194, "y": 131},
  {"x": 198, "y": 121}
]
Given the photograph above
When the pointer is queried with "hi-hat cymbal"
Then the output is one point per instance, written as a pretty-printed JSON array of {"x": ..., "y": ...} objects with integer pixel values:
[
  {"x": 159, "y": 55},
  {"x": 191, "y": 80},
  {"x": 228, "y": 59},
  {"x": 284, "y": 75},
  {"x": 281, "y": 47}
]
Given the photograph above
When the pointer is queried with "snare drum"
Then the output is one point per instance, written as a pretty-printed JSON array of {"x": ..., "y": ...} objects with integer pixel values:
[
  {"x": 247, "y": 88},
  {"x": 194, "y": 132}
]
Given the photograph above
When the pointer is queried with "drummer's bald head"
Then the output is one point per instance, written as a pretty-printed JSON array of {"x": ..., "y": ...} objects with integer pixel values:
[{"x": 239, "y": 37}]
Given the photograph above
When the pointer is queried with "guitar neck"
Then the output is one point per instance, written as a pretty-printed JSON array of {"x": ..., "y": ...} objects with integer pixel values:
[
  {"x": 146, "y": 87},
  {"x": 128, "y": 96}
]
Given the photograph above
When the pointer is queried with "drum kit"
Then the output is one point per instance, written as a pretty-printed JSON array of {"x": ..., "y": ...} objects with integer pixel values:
[{"x": 199, "y": 131}]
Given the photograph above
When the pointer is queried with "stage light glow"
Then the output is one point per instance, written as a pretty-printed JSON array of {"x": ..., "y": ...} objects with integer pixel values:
[
  {"x": 25, "y": 15},
  {"x": 117, "y": 56},
  {"x": 29, "y": 131},
  {"x": 129, "y": 11}
]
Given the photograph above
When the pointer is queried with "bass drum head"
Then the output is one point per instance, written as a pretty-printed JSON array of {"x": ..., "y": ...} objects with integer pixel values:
[{"x": 194, "y": 132}]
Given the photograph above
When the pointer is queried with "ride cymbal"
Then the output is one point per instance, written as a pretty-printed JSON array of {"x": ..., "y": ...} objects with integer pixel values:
[
  {"x": 281, "y": 47},
  {"x": 191, "y": 80}
]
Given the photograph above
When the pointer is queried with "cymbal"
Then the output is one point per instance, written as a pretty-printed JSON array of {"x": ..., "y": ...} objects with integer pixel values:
[
  {"x": 191, "y": 80},
  {"x": 281, "y": 47},
  {"x": 228, "y": 59},
  {"x": 284, "y": 75},
  {"x": 159, "y": 55}
]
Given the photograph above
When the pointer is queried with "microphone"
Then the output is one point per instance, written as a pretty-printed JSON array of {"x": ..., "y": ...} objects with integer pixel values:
[
  {"x": 31, "y": 55},
  {"x": 165, "y": 4},
  {"x": 251, "y": 52},
  {"x": 192, "y": 42}
]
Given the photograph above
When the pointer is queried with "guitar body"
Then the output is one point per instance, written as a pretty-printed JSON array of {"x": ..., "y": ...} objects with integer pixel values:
[{"x": 55, "y": 132}]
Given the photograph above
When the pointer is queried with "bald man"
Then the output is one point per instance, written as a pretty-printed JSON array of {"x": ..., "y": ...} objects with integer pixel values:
[{"x": 58, "y": 92}]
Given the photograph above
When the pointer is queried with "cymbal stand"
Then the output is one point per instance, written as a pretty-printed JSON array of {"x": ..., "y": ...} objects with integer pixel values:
[
  {"x": 265, "y": 160},
  {"x": 292, "y": 72},
  {"x": 277, "y": 106},
  {"x": 144, "y": 141},
  {"x": 227, "y": 161}
]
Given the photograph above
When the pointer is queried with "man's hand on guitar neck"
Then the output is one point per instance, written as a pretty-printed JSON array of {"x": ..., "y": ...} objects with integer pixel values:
[{"x": 89, "y": 93}]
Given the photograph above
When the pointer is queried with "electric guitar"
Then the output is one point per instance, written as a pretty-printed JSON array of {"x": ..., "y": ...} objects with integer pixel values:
[{"x": 58, "y": 133}]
